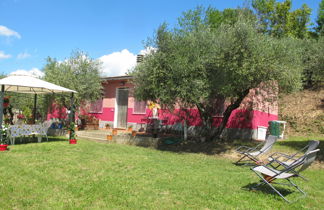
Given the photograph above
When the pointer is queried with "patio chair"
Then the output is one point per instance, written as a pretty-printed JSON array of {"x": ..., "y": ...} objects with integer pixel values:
[
  {"x": 46, "y": 125},
  {"x": 268, "y": 175},
  {"x": 279, "y": 159},
  {"x": 253, "y": 153},
  {"x": 42, "y": 130}
]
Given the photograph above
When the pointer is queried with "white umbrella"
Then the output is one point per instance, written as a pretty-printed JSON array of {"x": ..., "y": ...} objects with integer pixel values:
[{"x": 28, "y": 84}]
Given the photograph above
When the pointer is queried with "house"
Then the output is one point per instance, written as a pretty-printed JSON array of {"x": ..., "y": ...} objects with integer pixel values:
[{"x": 119, "y": 109}]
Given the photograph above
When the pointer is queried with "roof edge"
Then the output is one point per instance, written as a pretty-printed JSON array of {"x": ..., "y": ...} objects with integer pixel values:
[{"x": 117, "y": 78}]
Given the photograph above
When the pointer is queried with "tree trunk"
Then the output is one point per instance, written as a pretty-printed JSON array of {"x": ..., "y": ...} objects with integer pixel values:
[
  {"x": 229, "y": 111},
  {"x": 206, "y": 116}
]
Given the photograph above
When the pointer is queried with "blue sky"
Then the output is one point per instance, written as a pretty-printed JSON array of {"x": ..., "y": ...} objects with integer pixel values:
[{"x": 109, "y": 30}]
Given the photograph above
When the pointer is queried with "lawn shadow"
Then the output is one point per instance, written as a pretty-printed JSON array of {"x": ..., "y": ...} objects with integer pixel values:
[
  {"x": 33, "y": 139},
  {"x": 246, "y": 163},
  {"x": 208, "y": 148},
  {"x": 222, "y": 146},
  {"x": 55, "y": 138},
  {"x": 265, "y": 189}
]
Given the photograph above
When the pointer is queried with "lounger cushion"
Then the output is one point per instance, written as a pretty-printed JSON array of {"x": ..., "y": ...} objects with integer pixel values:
[{"x": 272, "y": 172}]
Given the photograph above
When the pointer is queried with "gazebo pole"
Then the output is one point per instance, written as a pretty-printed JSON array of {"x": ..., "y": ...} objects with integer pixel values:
[
  {"x": 1, "y": 106},
  {"x": 35, "y": 108},
  {"x": 72, "y": 116}
]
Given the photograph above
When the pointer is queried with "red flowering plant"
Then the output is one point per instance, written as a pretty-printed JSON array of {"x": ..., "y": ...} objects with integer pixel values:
[
  {"x": 21, "y": 117},
  {"x": 6, "y": 102},
  {"x": 7, "y": 110}
]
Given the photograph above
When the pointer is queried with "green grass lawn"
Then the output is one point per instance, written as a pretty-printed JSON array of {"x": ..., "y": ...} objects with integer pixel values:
[{"x": 94, "y": 175}]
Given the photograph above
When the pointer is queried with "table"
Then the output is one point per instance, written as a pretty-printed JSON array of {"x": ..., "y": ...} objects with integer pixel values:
[{"x": 26, "y": 130}]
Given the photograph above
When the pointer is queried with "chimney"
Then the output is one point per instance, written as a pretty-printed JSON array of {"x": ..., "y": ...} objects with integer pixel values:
[{"x": 140, "y": 58}]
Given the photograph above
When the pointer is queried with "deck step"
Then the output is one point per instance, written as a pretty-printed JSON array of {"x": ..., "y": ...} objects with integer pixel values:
[
  {"x": 91, "y": 138},
  {"x": 97, "y": 134}
]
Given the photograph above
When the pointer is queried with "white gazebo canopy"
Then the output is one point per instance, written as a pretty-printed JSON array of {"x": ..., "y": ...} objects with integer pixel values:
[{"x": 29, "y": 84}]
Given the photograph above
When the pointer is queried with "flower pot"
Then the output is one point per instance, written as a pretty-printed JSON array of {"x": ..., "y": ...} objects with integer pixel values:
[
  {"x": 134, "y": 133},
  {"x": 109, "y": 137},
  {"x": 73, "y": 141},
  {"x": 3, "y": 147},
  {"x": 114, "y": 132}
]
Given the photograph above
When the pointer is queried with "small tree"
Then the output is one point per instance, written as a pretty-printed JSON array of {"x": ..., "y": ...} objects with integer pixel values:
[
  {"x": 278, "y": 19},
  {"x": 320, "y": 19},
  {"x": 80, "y": 73},
  {"x": 195, "y": 67},
  {"x": 314, "y": 63}
]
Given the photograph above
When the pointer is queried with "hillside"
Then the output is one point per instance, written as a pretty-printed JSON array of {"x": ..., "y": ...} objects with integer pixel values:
[{"x": 304, "y": 112}]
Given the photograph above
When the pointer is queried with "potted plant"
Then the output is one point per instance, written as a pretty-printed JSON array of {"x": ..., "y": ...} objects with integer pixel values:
[
  {"x": 3, "y": 139},
  {"x": 21, "y": 118},
  {"x": 109, "y": 137},
  {"x": 72, "y": 133},
  {"x": 130, "y": 128},
  {"x": 107, "y": 126},
  {"x": 114, "y": 132},
  {"x": 134, "y": 133}
]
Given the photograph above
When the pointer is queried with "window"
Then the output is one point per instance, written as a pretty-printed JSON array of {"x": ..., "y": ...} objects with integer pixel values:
[
  {"x": 96, "y": 106},
  {"x": 139, "y": 107}
]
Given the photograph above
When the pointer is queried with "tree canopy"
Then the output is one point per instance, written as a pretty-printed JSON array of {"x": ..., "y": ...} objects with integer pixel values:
[
  {"x": 80, "y": 73},
  {"x": 320, "y": 19},
  {"x": 278, "y": 19},
  {"x": 195, "y": 64},
  {"x": 313, "y": 58}
]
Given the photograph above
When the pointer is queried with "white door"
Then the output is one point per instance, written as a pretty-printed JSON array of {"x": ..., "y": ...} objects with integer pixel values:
[{"x": 122, "y": 107}]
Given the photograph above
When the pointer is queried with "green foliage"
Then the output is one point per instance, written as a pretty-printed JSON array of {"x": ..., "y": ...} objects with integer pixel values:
[
  {"x": 228, "y": 16},
  {"x": 80, "y": 73},
  {"x": 314, "y": 63},
  {"x": 320, "y": 19},
  {"x": 277, "y": 19},
  {"x": 195, "y": 65},
  {"x": 72, "y": 130},
  {"x": 4, "y": 134}
]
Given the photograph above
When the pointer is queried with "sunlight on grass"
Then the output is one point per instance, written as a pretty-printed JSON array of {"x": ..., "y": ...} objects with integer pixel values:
[{"x": 95, "y": 175}]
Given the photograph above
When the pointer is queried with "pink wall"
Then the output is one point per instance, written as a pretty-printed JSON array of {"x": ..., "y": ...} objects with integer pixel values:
[
  {"x": 259, "y": 107},
  {"x": 106, "y": 115},
  {"x": 239, "y": 118},
  {"x": 110, "y": 93},
  {"x": 261, "y": 118}
]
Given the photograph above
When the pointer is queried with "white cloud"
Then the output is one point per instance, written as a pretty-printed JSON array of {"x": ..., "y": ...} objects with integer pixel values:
[
  {"x": 4, "y": 55},
  {"x": 23, "y": 55},
  {"x": 34, "y": 72},
  {"x": 117, "y": 63},
  {"x": 4, "y": 31},
  {"x": 147, "y": 51}
]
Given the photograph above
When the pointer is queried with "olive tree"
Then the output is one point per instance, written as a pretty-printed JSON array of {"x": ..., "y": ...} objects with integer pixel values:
[
  {"x": 196, "y": 67},
  {"x": 79, "y": 73}
]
